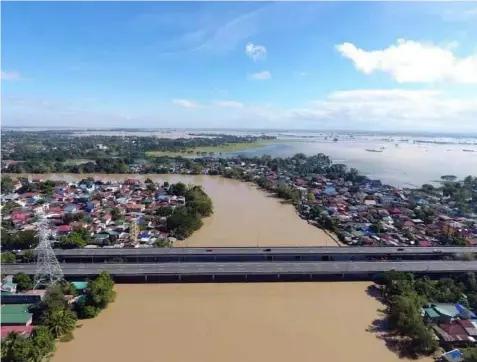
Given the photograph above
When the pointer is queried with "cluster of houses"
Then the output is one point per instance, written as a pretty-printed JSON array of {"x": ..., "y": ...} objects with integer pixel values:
[
  {"x": 369, "y": 213},
  {"x": 16, "y": 307},
  {"x": 454, "y": 325},
  {"x": 365, "y": 213},
  {"x": 378, "y": 214},
  {"x": 114, "y": 214}
]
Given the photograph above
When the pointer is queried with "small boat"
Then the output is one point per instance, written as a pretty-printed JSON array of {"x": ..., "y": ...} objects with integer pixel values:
[
  {"x": 370, "y": 150},
  {"x": 468, "y": 150}
]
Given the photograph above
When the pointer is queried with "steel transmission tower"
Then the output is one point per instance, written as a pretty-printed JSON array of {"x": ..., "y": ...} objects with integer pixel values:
[{"x": 48, "y": 270}]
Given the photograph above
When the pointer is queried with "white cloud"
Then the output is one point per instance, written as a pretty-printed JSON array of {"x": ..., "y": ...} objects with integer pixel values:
[
  {"x": 185, "y": 103},
  {"x": 409, "y": 61},
  {"x": 265, "y": 75},
  {"x": 392, "y": 109},
  {"x": 10, "y": 75},
  {"x": 256, "y": 52},
  {"x": 229, "y": 104},
  {"x": 301, "y": 74}
]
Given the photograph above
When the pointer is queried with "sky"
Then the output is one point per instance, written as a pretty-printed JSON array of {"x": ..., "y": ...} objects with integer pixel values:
[{"x": 387, "y": 66}]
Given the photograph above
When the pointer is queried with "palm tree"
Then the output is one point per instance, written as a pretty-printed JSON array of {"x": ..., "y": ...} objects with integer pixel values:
[
  {"x": 60, "y": 321},
  {"x": 15, "y": 348}
]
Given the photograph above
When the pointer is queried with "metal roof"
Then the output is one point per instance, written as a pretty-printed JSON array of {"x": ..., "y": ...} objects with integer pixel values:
[
  {"x": 255, "y": 268},
  {"x": 263, "y": 250}
]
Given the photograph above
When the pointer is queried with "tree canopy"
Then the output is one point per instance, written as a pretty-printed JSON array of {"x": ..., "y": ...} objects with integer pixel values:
[{"x": 24, "y": 282}]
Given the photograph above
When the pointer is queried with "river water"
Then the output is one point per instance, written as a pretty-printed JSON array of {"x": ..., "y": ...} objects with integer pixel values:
[
  {"x": 280, "y": 322},
  {"x": 243, "y": 215}
]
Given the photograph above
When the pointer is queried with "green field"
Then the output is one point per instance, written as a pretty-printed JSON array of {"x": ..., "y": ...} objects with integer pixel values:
[{"x": 230, "y": 147}]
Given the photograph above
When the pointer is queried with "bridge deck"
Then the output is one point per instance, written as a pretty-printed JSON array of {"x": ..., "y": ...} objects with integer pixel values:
[
  {"x": 262, "y": 250},
  {"x": 252, "y": 268}
]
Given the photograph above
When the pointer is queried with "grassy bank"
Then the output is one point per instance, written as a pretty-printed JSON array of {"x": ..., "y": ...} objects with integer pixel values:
[{"x": 230, "y": 147}]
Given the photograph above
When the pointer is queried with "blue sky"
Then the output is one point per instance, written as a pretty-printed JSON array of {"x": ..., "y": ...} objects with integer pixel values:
[{"x": 323, "y": 65}]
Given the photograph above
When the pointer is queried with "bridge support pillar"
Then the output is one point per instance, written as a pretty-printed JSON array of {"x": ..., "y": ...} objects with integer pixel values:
[
  {"x": 180, "y": 279},
  {"x": 145, "y": 277},
  {"x": 311, "y": 276},
  {"x": 213, "y": 277}
]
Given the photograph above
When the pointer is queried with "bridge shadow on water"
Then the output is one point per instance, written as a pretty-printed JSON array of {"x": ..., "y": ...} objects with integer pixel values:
[{"x": 236, "y": 278}]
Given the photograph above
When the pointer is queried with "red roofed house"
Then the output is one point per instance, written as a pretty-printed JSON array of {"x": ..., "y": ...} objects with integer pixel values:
[
  {"x": 132, "y": 181},
  {"x": 64, "y": 229},
  {"x": 24, "y": 331},
  {"x": 468, "y": 326},
  {"x": 300, "y": 182},
  {"x": 106, "y": 219},
  {"x": 135, "y": 207},
  {"x": 452, "y": 332}
]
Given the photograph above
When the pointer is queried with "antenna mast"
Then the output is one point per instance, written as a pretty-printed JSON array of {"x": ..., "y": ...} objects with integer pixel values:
[{"x": 48, "y": 270}]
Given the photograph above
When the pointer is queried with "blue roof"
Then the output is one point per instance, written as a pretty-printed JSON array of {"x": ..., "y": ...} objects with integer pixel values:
[
  {"x": 464, "y": 312},
  {"x": 80, "y": 285},
  {"x": 454, "y": 355}
]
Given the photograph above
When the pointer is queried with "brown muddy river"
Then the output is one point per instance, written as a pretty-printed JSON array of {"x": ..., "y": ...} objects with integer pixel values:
[
  {"x": 279, "y": 322},
  {"x": 243, "y": 215}
]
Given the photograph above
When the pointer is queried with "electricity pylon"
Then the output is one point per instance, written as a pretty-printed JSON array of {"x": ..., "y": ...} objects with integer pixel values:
[{"x": 48, "y": 270}]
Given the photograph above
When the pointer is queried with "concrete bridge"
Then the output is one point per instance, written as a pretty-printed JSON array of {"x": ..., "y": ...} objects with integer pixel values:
[
  {"x": 260, "y": 254},
  {"x": 252, "y": 271}
]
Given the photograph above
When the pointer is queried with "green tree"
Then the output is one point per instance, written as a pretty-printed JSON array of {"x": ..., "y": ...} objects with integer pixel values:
[
  {"x": 405, "y": 313},
  {"x": 311, "y": 196},
  {"x": 42, "y": 344},
  {"x": 151, "y": 187},
  {"x": 54, "y": 299},
  {"x": 28, "y": 256},
  {"x": 98, "y": 295},
  {"x": 73, "y": 241},
  {"x": 21, "y": 240},
  {"x": 470, "y": 354},
  {"x": 198, "y": 201},
  {"x": 178, "y": 189},
  {"x": 115, "y": 213},
  {"x": 8, "y": 257},
  {"x": 7, "y": 184},
  {"x": 423, "y": 340},
  {"x": 183, "y": 222},
  {"x": 23, "y": 281},
  {"x": 59, "y": 321},
  {"x": 67, "y": 288},
  {"x": 15, "y": 348}
]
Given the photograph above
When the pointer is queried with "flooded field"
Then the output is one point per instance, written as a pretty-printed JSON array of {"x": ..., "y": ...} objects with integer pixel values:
[
  {"x": 305, "y": 322},
  {"x": 243, "y": 215}
]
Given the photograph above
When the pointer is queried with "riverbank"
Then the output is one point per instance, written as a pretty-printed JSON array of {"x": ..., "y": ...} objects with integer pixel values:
[
  {"x": 278, "y": 322},
  {"x": 243, "y": 214}
]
